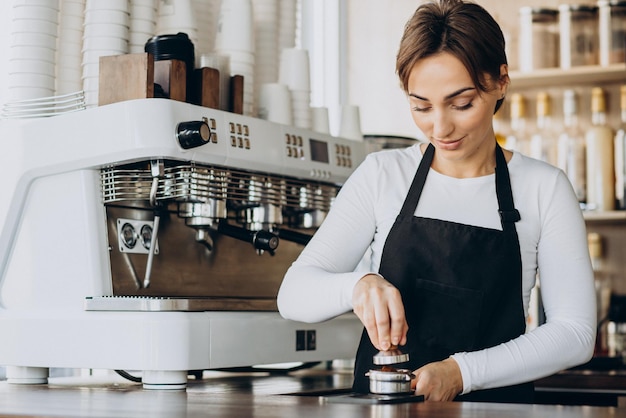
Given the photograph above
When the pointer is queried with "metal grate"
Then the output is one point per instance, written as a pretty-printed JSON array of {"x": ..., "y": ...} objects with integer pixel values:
[{"x": 190, "y": 182}]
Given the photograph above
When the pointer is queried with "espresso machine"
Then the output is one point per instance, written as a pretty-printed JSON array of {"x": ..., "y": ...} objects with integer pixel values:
[{"x": 152, "y": 235}]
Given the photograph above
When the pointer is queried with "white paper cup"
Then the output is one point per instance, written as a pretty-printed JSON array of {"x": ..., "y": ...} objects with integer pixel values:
[
  {"x": 31, "y": 67},
  {"x": 34, "y": 26},
  {"x": 118, "y": 17},
  {"x": 33, "y": 39},
  {"x": 45, "y": 81},
  {"x": 111, "y": 30},
  {"x": 17, "y": 93},
  {"x": 319, "y": 120},
  {"x": 29, "y": 52},
  {"x": 235, "y": 28},
  {"x": 275, "y": 103},
  {"x": 294, "y": 69},
  {"x": 72, "y": 8},
  {"x": 350, "y": 125},
  {"x": 71, "y": 23},
  {"x": 35, "y": 12},
  {"x": 105, "y": 43},
  {"x": 143, "y": 26},
  {"x": 91, "y": 5}
]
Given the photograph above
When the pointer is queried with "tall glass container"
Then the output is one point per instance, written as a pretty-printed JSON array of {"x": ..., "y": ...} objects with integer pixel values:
[
  {"x": 578, "y": 35},
  {"x": 538, "y": 38},
  {"x": 571, "y": 148},
  {"x": 600, "y": 156},
  {"x": 612, "y": 27}
]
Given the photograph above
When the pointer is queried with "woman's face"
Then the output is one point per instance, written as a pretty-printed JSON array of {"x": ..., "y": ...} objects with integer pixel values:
[{"x": 455, "y": 116}]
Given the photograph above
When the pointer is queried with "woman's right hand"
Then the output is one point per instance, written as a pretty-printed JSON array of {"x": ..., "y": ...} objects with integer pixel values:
[{"x": 379, "y": 306}]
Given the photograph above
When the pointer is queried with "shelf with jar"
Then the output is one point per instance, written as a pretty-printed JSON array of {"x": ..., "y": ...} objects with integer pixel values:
[{"x": 550, "y": 77}]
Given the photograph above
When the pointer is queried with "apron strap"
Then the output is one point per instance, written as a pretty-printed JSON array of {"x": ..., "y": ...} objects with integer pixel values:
[
  {"x": 415, "y": 191},
  {"x": 506, "y": 208}
]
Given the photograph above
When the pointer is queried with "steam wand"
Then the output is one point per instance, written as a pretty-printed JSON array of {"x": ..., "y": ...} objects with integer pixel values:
[{"x": 157, "y": 170}]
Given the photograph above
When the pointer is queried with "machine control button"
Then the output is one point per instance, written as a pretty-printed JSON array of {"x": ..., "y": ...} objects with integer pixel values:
[
  {"x": 246, "y": 131},
  {"x": 232, "y": 127},
  {"x": 287, "y": 139},
  {"x": 193, "y": 134},
  {"x": 233, "y": 141}
]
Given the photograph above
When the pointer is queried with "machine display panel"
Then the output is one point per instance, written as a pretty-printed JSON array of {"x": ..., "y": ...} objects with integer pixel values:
[{"x": 319, "y": 151}]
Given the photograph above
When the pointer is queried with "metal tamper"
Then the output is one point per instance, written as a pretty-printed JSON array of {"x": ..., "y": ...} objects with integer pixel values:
[
  {"x": 391, "y": 356},
  {"x": 389, "y": 380}
]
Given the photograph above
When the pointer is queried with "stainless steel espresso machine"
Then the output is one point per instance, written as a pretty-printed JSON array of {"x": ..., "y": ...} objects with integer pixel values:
[{"x": 152, "y": 235}]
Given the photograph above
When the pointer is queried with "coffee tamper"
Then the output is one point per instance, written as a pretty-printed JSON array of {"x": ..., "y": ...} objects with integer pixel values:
[
  {"x": 388, "y": 380},
  {"x": 391, "y": 356}
]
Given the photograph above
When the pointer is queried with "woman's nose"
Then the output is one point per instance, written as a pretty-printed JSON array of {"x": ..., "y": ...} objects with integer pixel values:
[{"x": 442, "y": 125}]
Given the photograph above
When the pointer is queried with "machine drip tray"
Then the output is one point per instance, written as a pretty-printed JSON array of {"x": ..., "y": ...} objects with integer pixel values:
[
  {"x": 345, "y": 395},
  {"x": 184, "y": 304}
]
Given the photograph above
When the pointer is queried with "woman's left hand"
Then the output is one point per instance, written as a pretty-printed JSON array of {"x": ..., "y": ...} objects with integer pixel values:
[{"x": 439, "y": 381}]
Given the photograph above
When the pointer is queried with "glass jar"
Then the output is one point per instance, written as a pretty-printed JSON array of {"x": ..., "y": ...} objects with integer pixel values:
[
  {"x": 579, "y": 35},
  {"x": 612, "y": 27},
  {"x": 538, "y": 38}
]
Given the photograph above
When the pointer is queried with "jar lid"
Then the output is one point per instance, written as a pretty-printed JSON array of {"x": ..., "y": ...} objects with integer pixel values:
[
  {"x": 171, "y": 46},
  {"x": 583, "y": 8}
]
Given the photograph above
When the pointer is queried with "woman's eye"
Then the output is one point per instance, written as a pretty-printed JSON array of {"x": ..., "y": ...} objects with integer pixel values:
[
  {"x": 464, "y": 106},
  {"x": 421, "y": 109}
]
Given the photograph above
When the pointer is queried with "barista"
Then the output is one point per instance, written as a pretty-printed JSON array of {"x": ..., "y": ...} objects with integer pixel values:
[{"x": 436, "y": 247}]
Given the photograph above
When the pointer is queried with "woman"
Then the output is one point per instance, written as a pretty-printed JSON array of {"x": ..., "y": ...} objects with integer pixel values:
[{"x": 456, "y": 232}]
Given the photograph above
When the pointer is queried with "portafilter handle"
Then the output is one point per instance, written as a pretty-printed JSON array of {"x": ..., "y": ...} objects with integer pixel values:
[{"x": 261, "y": 240}]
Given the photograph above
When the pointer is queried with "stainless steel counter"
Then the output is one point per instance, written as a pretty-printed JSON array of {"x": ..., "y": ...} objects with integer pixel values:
[{"x": 256, "y": 395}]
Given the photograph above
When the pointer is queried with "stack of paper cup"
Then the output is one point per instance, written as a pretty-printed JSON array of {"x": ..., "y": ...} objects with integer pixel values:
[
  {"x": 294, "y": 72},
  {"x": 69, "y": 47},
  {"x": 206, "y": 12},
  {"x": 287, "y": 19},
  {"x": 176, "y": 16},
  {"x": 319, "y": 118},
  {"x": 350, "y": 125},
  {"x": 32, "y": 49},
  {"x": 275, "y": 103},
  {"x": 266, "y": 42},
  {"x": 143, "y": 18},
  {"x": 235, "y": 39},
  {"x": 222, "y": 64},
  {"x": 106, "y": 32}
]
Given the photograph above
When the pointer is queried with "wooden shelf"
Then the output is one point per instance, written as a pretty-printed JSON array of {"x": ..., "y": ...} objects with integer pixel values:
[
  {"x": 614, "y": 215},
  {"x": 590, "y": 74}
]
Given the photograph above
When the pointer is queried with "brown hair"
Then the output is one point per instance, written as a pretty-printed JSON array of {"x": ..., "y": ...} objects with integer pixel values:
[{"x": 463, "y": 29}]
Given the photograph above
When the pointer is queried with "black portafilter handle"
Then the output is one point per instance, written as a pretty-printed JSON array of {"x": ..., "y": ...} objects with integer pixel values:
[
  {"x": 294, "y": 236},
  {"x": 261, "y": 240}
]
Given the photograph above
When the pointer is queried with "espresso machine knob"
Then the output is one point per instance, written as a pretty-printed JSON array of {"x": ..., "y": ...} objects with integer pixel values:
[
  {"x": 265, "y": 240},
  {"x": 193, "y": 134}
]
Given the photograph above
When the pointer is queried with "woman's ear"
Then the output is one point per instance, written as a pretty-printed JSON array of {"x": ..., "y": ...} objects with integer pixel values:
[{"x": 504, "y": 79}]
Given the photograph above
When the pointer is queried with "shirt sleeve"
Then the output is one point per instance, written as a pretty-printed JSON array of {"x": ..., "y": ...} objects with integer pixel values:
[
  {"x": 568, "y": 295},
  {"x": 318, "y": 286}
]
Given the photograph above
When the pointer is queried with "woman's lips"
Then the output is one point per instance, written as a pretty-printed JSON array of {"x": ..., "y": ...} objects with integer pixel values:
[{"x": 449, "y": 145}]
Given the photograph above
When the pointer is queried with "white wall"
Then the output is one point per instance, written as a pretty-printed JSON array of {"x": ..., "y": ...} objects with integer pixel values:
[{"x": 5, "y": 25}]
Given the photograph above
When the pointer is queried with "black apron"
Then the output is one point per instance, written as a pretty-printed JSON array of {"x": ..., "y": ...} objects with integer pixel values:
[{"x": 461, "y": 285}]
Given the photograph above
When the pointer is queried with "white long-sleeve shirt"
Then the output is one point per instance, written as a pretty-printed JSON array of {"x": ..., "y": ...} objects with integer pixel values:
[{"x": 552, "y": 236}]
